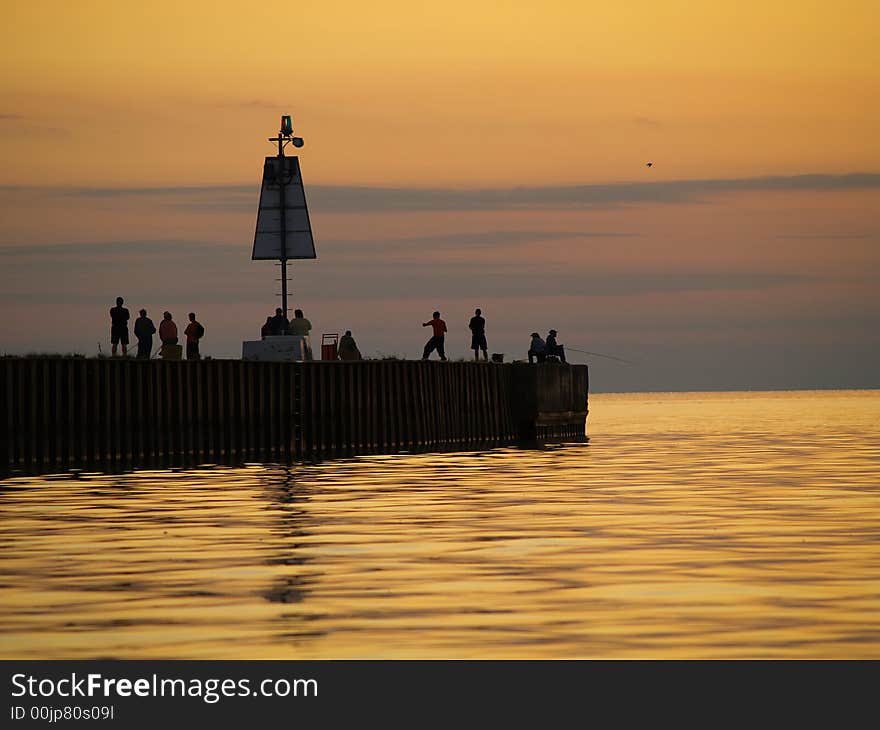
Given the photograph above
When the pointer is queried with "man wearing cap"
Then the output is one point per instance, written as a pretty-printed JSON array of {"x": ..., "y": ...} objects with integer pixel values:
[{"x": 552, "y": 348}]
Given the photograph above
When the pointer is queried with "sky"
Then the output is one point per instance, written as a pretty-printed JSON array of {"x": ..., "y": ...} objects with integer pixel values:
[{"x": 458, "y": 155}]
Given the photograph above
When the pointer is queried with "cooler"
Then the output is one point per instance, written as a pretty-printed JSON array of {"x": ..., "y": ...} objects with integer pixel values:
[{"x": 171, "y": 352}]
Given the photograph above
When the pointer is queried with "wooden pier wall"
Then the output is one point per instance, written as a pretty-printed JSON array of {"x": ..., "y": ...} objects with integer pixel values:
[{"x": 64, "y": 413}]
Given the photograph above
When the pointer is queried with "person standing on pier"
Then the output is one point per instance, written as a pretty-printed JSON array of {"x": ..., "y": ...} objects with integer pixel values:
[
  {"x": 194, "y": 332},
  {"x": 144, "y": 329},
  {"x": 167, "y": 330},
  {"x": 119, "y": 317},
  {"x": 437, "y": 341},
  {"x": 301, "y": 327},
  {"x": 478, "y": 335}
]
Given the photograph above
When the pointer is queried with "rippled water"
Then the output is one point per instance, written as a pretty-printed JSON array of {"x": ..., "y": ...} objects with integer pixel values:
[{"x": 692, "y": 525}]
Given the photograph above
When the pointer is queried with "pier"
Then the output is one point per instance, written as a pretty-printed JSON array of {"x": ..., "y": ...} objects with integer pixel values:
[{"x": 65, "y": 413}]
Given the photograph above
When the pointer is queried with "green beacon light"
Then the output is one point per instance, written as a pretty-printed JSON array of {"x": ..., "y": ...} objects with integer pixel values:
[{"x": 286, "y": 126}]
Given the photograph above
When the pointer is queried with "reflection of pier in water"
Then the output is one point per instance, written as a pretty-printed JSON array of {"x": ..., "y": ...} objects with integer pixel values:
[
  {"x": 289, "y": 589},
  {"x": 61, "y": 413}
]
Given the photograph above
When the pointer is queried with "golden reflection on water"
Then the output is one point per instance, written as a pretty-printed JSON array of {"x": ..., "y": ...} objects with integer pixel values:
[{"x": 693, "y": 525}]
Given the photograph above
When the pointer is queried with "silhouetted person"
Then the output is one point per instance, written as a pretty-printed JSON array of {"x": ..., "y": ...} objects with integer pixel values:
[
  {"x": 478, "y": 335},
  {"x": 167, "y": 330},
  {"x": 266, "y": 330},
  {"x": 348, "y": 349},
  {"x": 279, "y": 323},
  {"x": 194, "y": 332},
  {"x": 553, "y": 349},
  {"x": 537, "y": 349},
  {"x": 144, "y": 329},
  {"x": 119, "y": 317},
  {"x": 299, "y": 325},
  {"x": 437, "y": 341}
]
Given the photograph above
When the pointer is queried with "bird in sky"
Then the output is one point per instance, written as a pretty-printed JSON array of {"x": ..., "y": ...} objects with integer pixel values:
[{"x": 649, "y": 164}]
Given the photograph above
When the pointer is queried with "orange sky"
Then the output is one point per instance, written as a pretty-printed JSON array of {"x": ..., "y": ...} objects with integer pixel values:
[
  {"x": 457, "y": 93},
  {"x": 452, "y": 96}
]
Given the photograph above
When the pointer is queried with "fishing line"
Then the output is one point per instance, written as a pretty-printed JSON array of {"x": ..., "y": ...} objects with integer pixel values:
[{"x": 599, "y": 354}]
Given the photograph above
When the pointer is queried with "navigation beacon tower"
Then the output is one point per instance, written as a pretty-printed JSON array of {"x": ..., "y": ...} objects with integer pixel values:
[{"x": 283, "y": 231}]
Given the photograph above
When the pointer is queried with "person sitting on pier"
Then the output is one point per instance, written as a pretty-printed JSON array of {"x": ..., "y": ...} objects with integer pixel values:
[
  {"x": 194, "y": 332},
  {"x": 119, "y": 317},
  {"x": 537, "y": 349},
  {"x": 169, "y": 350},
  {"x": 437, "y": 341},
  {"x": 267, "y": 329},
  {"x": 280, "y": 323},
  {"x": 553, "y": 349},
  {"x": 144, "y": 329},
  {"x": 348, "y": 349}
]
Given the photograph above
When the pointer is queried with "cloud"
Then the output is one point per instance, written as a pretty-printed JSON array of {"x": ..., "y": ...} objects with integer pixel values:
[
  {"x": 360, "y": 281},
  {"x": 360, "y": 199},
  {"x": 354, "y": 198},
  {"x": 460, "y": 241},
  {"x": 649, "y": 122},
  {"x": 80, "y": 272},
  {"x": 183, "y": 191},
  {"x": 829, "y": 236},
  {"x": 142, "y": 249},
  {"x": 251, "y": 104},
  {"x": 128, "y": 249},
  {"x": 22, "y": 126}
]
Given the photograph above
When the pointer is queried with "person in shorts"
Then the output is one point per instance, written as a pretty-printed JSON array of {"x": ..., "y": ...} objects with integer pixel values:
[
  {"x": 478, "y": 335},
  {"x": 437, "y": 341},
  {"x": 119, "y": 317}
]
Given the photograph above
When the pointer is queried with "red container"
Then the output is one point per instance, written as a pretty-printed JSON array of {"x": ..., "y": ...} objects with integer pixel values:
[{"x": 329, "y": 346}]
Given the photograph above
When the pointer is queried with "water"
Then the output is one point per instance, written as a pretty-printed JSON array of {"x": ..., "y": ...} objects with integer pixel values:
[{"x": 695, "y": 525}]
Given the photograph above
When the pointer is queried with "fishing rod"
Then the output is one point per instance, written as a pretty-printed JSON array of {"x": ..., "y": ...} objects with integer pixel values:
[{"x": 599, "y": 354}]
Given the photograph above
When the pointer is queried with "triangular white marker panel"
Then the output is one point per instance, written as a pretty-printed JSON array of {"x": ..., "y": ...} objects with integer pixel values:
[{"x": 298, "y": 239}]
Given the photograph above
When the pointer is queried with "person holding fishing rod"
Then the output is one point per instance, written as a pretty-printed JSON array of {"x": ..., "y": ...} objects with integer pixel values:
[
  {"x": 540, "y": 350},
  {"x": 552, "y": 349}
]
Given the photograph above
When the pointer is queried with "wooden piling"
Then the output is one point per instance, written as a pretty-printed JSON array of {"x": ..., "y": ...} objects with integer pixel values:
[{"x": 63, "y": 413}]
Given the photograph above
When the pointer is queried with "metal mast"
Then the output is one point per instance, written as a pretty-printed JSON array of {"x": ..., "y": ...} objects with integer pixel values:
[{"x": 285, "y": 137}]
